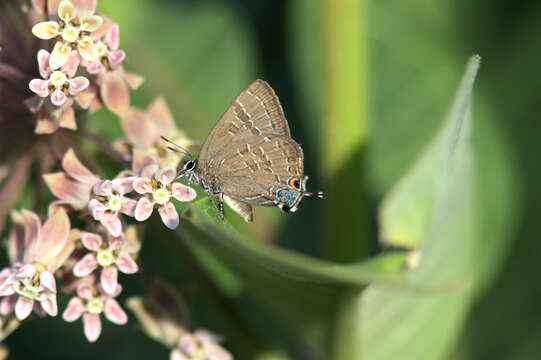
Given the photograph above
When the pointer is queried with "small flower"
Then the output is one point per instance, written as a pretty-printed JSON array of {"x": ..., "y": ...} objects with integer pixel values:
[
  {"x": 58, "y": 84},
  {"x": 110, "y": 256},
  {"x": 158, "y": 188},
  {"x": 111, "y": 89},
  {"x": 90, "y": 302},
  {"x": 32, "y": 284},
  {"x": 109, "y": 200},
  {"x": 36, "y": 252},
  {"x": 109, "y": 57},
  {"x": 111, "y": 84},
  {"x": 72, "y": 187},
  {"x": 201, "y": 345},
  {"x": 71, "y": 31}
]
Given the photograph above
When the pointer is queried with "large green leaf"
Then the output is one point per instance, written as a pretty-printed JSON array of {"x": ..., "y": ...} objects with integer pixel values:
[
  {"x": 305, "y": 291},
  {"x": 392, "y": 323},
  {"x": 414, "y": 56},
  {"x": 286, "y": 269},
  {"x": 408, "y": 212}
]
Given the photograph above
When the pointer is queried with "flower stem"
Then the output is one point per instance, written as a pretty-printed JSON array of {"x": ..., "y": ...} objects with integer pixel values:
[
  {"x": 53, "y": 151},
  {"x": 12, "y": 186},
  {"x": 344, "y": 128},
  {"x": 104, "y": 145},
  {"x": 11, "y": 73}
]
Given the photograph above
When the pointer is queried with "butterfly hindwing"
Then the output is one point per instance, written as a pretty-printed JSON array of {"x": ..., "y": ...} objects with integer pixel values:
[{"x": 253, "y": 173}]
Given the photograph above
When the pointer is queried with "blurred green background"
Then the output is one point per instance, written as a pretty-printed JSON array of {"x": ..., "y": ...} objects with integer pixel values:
[{"x": 361, "y": 120}]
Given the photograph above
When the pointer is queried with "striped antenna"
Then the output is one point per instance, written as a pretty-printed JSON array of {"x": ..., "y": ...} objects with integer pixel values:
[{"x": 175, "y": 147}]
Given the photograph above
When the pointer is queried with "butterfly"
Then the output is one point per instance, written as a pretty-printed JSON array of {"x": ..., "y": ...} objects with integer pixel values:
[{"x": 249, "y": 157}]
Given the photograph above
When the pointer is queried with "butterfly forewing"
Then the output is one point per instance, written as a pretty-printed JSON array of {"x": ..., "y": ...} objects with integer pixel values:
[{"x": 255, "y": 114}]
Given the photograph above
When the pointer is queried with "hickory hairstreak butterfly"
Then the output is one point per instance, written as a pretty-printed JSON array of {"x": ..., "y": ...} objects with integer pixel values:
[{"x": 249, "y": 157}]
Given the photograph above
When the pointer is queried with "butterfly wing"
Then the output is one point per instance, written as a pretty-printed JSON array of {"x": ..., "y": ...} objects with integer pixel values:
[
  {"x": 241, "y": 208},
  {"x": 256, "y": 113},
  {"x": 253, "y": 172}
]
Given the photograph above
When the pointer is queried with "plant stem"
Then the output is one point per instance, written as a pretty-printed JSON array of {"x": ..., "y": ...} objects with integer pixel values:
[
  {"x": 53, "y": 151},
  {"x": 12, "y": 186},
  {"x": 11, "y": 73},
  {"x": 104, "y": 145},
  {"x": 38, "y": 188},
  {"x": 344, "y": 128},
  {"x": 346, "y": 342}
]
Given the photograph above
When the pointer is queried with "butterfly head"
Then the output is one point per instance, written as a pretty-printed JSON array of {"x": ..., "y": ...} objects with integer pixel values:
[
  {"x": 187, "y": 172},
  {"x": 189, "y": 165}
]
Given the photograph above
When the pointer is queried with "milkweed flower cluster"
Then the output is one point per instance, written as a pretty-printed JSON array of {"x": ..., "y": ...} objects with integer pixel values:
[
  {"x": 35, "y": 251},
  {"x": 90, "y": 237},
  {"x": 82, "y": 42}
]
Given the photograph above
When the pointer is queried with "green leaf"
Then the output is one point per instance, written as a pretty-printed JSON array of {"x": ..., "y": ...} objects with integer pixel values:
[
  {"x": 262, "y": 260},
  {"x": 415, "y": 325},
  {"x": 407, "y": 211},
  {"x": 304, "y": 290}
]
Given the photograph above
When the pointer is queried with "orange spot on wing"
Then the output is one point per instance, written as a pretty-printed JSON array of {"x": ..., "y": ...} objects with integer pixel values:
[{"x": 294, "y": 183}]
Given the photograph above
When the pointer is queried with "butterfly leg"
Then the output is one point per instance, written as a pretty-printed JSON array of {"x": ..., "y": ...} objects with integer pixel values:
[{"x": 219, "y": 205}]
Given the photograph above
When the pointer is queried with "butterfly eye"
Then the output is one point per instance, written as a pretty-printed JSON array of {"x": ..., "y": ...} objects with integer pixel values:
[
  {"x": 294, "y": 183},
  {"x": 190, "y": 164}
]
